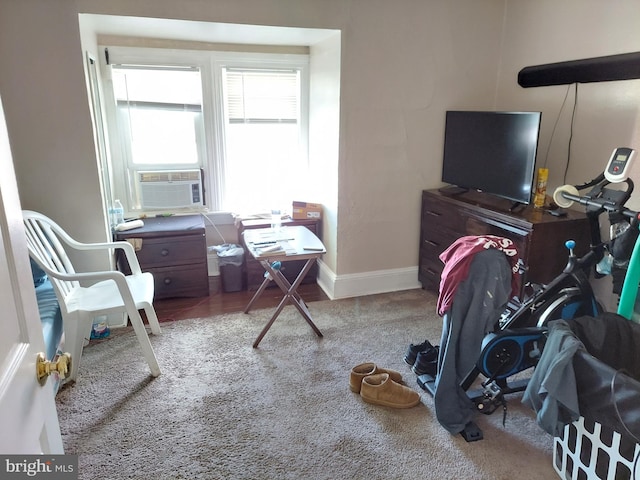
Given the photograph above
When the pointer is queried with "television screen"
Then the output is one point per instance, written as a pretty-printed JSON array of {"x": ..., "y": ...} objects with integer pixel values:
[{"x": 493, "y": 152}]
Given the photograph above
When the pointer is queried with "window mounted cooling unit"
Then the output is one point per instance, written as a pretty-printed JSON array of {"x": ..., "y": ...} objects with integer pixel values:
[{"x": 170, "y": 189}]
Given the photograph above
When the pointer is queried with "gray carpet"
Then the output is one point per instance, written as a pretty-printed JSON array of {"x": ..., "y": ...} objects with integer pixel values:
[{"x": 223, "y": 410}]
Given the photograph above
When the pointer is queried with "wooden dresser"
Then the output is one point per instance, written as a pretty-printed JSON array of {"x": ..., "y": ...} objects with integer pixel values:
[
  {"x": 174, "y": 250},
  {"x": 539, "y": 236},
  {"x": 253, "y": 269}
]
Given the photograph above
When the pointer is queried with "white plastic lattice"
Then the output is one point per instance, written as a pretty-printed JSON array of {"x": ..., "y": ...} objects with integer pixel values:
[{"x": 580, "y": 454}]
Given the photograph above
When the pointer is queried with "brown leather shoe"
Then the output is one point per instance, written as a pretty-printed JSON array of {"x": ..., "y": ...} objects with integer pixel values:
[
  {"x": 379, "y": 389},
  {"x": 364, "y": 369}
]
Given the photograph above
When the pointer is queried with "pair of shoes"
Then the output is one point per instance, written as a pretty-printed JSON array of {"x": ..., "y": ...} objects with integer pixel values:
[
  {"x": 427, "y": 361},
  {"x": 414, "y": 350},
  {"x": 359, "y": 372},
  {"x": 380, "y": 389}
]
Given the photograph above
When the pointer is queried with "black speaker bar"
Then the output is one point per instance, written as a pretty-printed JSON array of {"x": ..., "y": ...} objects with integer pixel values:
[{"x": 625, "y": 66}]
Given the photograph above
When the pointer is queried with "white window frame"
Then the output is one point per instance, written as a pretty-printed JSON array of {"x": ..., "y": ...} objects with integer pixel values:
[
  {"x": 210, "y": 64},
  {"x": 199, "y": 133},
  {"x": 267, "y": 61}
]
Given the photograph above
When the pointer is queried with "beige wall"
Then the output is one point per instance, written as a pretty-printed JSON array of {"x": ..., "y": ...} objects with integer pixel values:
[
  {"x": 403, "y": 64},
  {"x": 607, "y": 114},
  {"x": 43, "y": 91}
]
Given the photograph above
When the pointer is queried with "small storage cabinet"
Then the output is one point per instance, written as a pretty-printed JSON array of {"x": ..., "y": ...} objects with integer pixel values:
[
  {"x": 174, "y": 250},
  {"x": 255, "y": 271},
  {"x": 538, "y": 236}
]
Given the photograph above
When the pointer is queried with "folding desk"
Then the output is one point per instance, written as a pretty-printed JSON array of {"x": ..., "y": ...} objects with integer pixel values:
[{"x": 274, "y": 247}]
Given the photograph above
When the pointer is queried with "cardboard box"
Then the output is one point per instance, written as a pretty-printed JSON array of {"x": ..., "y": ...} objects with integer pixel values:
[{"x": 305, "y": 210}]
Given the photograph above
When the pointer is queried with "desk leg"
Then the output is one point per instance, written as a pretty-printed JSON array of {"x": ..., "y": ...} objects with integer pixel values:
[
  {"x": 256, "y": 295},
  {"x": 290, "y": 295}
]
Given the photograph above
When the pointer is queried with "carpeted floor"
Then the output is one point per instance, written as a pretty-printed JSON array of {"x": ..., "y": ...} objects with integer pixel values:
[{"x": 223, "y": 410}]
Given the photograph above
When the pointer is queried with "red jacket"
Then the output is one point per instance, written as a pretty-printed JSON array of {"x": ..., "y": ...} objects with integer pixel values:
[{"x": 457, "y": 259}]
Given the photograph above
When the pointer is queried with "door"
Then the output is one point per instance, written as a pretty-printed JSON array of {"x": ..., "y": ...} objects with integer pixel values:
[{"x": 28, "y": 417}]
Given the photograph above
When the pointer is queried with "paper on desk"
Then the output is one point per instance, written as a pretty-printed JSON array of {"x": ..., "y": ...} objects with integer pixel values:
[
  {"x": 283, "y": 247},
  {"x": 269, "y": 250},
  {"x": 288, "y": 248},
  {"x": 270, "y": 237}
]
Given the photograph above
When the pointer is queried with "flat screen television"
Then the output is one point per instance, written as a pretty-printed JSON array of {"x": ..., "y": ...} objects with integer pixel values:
[{"x": 492, "y": 152}]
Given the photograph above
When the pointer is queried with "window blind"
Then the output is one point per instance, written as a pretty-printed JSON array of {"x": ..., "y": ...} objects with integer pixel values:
[{"x": 262, "y": 96}]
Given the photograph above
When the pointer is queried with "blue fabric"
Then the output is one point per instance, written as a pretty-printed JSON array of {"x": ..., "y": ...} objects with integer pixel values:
[
  {"x": 49, "y": 309},
  {"x": 39, "y": 277},
  {"x": 50, "y": 316}
]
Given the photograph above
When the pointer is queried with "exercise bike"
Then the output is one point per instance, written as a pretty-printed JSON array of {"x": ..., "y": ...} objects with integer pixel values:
[{"x": 518, "y": 339}]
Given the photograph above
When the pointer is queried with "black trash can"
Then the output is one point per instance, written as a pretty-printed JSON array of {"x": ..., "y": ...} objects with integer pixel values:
[{"x": 230, "y": 262}]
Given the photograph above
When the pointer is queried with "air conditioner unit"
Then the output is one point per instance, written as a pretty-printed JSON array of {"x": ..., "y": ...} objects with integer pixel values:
[{"x": 163, "y": 189}]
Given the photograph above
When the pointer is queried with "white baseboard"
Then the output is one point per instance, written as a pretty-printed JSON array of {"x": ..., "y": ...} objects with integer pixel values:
[{"x": 367, "y": 283}]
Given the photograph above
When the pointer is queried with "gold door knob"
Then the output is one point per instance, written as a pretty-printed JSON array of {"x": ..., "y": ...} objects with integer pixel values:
[{"x": 61, "y": 365}]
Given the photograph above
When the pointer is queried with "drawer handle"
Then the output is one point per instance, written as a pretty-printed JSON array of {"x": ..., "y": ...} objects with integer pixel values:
[
  {"x": 167, "y": 281},
  {"x": 164, "y": 252},
  {"x": 432, "y": 243},
  {"x": 432, "y": 272},
  {"x": 433, "y": 214}
]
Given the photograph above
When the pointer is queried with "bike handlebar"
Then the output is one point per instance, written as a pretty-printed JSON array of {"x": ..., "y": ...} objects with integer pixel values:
[{"x": 603, "y": 203}]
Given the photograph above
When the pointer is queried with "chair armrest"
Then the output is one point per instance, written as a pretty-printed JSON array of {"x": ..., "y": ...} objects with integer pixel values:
[
  {"x": 75, "y": 244},
  {"x": 77, "y": 277},
  {"x": 129, "y": 252}
]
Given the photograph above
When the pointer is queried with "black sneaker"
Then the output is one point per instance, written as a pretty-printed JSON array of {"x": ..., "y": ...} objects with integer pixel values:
[
  {"x": 413, "y": 350},
  {"x": 427, "y": 362}
]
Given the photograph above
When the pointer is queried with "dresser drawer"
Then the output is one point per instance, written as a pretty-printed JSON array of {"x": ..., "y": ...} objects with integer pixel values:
[
  {"x": 448, "y": 214},
  {"x": 169, "y": 251},
  {"x": 436, "y": 212},
  {"x": 174, "y": 250},
  {"x": 180, "y": 281},
  {"x": 429, "y": 274},
  {"x": 436, "y": 240},
  {"x": 475, "y": 225}
]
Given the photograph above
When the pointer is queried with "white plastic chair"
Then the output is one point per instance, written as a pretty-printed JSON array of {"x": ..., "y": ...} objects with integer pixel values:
[{"x": 110, "y": 291}]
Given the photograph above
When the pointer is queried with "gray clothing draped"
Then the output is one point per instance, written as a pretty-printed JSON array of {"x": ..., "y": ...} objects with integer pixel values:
[{"x": 478, "y": 303}]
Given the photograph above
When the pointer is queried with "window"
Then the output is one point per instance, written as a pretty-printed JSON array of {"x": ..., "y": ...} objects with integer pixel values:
[
  {"x": 262, "y": 136},
  {"x": 241, "y": 118},
  {"x": 159, "y": 113}
]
